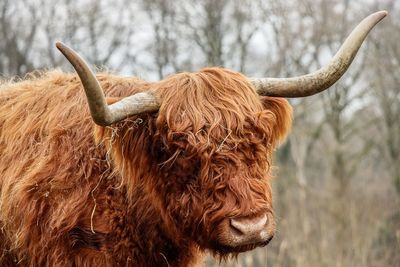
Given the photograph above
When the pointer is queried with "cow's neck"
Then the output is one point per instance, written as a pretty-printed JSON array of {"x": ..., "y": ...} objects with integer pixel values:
[{"x": 138, "y": 234}]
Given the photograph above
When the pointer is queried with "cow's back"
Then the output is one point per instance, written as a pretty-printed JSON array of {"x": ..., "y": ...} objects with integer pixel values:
[
  {"x": 49, "y": 162},
  {"x": 44, "y": 127}
]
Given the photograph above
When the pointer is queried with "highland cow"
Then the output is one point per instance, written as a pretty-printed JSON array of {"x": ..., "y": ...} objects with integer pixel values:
[{"x": 156, "y": 174}]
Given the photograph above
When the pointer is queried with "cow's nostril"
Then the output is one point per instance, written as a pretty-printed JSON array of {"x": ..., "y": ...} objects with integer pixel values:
[{"x": 249, "y": 226}]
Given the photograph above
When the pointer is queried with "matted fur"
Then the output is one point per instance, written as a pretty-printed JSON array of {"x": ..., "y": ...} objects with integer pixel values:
[{"x": 148, "y": 191}]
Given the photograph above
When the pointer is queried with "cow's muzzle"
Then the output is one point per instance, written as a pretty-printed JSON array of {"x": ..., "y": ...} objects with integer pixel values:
[{"x": 247, "y": 231}]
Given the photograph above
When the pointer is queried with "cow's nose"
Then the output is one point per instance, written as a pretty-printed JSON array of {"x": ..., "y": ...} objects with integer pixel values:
[{"x": 249, "y": 230}]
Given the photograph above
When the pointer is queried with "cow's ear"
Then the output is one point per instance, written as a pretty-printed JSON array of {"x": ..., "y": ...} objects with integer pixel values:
[
  {"x": 128, "y": 142},
  {"x": 102, "y": 133},
  {"x": 281, "y": 119}
]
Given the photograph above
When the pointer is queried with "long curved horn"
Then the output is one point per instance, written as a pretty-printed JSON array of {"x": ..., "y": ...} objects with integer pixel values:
[
  {"x": 102, "y": 113},
  {"x": 325, "y": 77}
]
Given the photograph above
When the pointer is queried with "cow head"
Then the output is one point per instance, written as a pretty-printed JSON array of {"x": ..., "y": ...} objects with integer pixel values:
[
  {"x": 213, "y": 141},
  {"x": 206, "y": 144}
]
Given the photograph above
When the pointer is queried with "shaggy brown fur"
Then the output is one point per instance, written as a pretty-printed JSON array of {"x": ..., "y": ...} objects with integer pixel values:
[{"x": 148, "y": 191}]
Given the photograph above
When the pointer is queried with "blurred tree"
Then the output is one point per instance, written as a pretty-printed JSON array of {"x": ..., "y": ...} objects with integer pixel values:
[
  {"x": 205, "y": 20},
  {"x": 164, "y": 46},
  {"x": 18, "y": 29},
  {"x": 386, "y": 89}
]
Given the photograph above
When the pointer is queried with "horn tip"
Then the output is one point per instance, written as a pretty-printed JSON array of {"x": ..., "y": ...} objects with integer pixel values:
[
  {"x": 381, "y": 14},
  {"x": 59, "y": 45}
]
